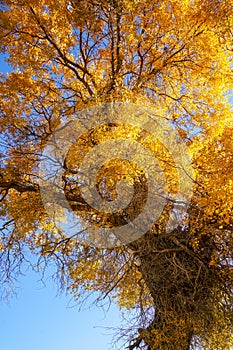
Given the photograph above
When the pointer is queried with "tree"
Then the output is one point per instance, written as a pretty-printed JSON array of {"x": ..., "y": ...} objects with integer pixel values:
[{"x": 174, "y": 56}]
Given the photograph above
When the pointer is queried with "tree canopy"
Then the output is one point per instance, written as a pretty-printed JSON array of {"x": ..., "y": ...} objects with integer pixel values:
[{"x": 172, "y": 57}]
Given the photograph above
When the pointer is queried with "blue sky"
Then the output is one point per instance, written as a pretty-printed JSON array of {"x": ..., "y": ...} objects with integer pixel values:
[{"x": 39, "y": 319}]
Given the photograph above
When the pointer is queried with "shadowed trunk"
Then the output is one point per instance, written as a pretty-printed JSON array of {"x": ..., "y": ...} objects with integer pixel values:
[{"x": 180, "y": 282}]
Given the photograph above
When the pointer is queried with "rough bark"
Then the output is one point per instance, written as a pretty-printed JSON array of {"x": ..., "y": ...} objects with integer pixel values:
[{"x": 180, "y": 283}]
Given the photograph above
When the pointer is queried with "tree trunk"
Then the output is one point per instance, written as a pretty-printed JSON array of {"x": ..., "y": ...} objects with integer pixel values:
[{"x": 179, "y": 283}]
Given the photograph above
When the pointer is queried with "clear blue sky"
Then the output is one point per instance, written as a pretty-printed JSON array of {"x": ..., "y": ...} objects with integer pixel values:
[{"x": 39, "y": 319}]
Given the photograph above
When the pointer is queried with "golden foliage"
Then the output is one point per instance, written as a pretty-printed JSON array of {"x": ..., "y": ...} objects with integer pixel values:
[{"x": 68, "y": 55}]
